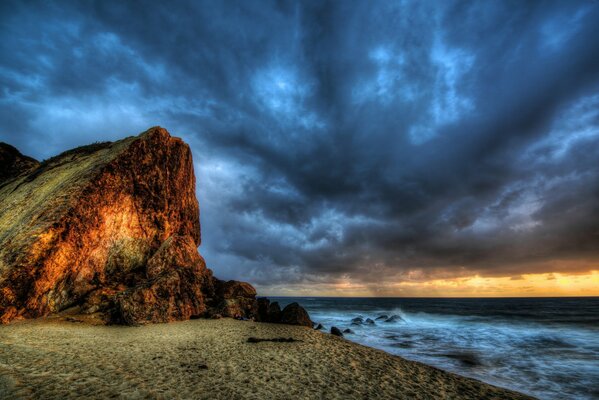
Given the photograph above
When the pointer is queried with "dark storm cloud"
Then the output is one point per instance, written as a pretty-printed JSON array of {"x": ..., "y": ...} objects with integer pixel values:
[{"x": 337, "y": 139}]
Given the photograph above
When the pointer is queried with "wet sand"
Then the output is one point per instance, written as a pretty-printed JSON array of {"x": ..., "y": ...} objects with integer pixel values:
[{"x": 211, "y": 359}]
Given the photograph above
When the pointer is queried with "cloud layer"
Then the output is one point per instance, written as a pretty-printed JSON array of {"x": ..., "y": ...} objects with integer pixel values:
[{"x": 337, "y": 141}]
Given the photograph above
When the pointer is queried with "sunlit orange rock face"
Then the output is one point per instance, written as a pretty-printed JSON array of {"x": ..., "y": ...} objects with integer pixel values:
[{"x": 110, "y": 229}]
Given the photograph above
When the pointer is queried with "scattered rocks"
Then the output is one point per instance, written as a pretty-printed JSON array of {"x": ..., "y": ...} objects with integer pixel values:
[
  {"x": 294, "y": 314},
  {"x": 348, "y": 331},
  {"x": 357, "y": 321},
  {"x": 394, "y": 318},
  {"x": 369, "y": 321},
  {"x": 319, "y": 327},
  {"x": 380, "y": 317},
  {"x": 336, "y": 331}
]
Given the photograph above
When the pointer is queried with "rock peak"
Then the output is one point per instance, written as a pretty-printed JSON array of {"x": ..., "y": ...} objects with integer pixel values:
[
  {"x": 13, "y": 163},
  {"x": 109, "y": 229},
  {"x": 156, "y": 131}
]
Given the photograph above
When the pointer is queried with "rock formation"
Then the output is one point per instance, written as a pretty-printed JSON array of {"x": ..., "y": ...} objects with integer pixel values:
[
  {"x": 294, "y": 314},
  {"x": 110, "y": 229},
  {"x": 13, "y": 162},
  {"x": 336, "y": 331}
]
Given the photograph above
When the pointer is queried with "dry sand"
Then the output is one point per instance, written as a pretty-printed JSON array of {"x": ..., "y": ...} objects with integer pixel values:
[{"x": 211, "y": 359}]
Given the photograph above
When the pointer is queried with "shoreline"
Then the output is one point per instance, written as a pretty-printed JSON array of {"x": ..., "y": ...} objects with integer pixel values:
[{"x": 52, "y": 358}]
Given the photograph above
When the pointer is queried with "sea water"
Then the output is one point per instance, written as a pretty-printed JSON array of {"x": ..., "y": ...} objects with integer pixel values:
[{"x": 544, "y": 347}]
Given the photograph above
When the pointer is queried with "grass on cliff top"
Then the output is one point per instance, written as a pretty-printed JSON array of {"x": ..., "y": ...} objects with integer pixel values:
[
  {"x": 66, "y": 156},
  {"x": 81, "y": 150}
]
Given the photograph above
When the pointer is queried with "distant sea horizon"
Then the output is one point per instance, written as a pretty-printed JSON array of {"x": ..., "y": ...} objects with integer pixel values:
[
  {"x": 426, "y": 297},
  {"x": 546, "y": 347}
]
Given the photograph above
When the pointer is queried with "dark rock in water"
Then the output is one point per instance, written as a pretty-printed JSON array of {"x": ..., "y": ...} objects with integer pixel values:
[
  {"x": 467, "y": 359},
  {"x": 336, "y": 331},
  {"x": 357, "y": 320},
  {"x": 294, "y": 314},
  {"x": 403, "y": 345},
  {"x": 319, "y": 327},
  {"x": 394, "y": 318},
  {"x": 348, "y": 331},
  {"x": 263, "y": 304},
  {"x": 548, "y": 341},
  {"x": 278, "y": 340},
  {"x": 274, "y": 312},
  {"x": 369, "y": 321},
  {"x": 381, "y": 317},
  {"x": 392, "y": 337}
]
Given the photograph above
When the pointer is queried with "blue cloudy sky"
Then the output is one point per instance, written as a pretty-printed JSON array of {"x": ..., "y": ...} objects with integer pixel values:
[{"x": 342, "y": 144}]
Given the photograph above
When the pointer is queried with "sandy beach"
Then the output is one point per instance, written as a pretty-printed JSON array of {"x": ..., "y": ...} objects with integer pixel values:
[{"x": 211, "y": 359}]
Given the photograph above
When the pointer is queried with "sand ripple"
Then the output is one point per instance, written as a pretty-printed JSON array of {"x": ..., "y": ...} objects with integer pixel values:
[{"x": 211, "y": 359}]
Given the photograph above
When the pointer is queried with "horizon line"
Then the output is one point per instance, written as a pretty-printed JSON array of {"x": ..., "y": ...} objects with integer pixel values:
[{"x": 435, "y": 297}]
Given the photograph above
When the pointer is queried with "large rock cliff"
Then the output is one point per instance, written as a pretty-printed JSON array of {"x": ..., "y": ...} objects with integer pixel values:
[{"x": 110, "y": 229}]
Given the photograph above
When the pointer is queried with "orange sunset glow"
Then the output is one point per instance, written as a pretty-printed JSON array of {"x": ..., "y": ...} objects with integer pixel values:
[{"x": 525, "y": 285}]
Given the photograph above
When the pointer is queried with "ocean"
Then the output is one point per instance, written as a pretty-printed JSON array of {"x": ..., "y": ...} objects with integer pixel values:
[{"x": 544, "y": 347}]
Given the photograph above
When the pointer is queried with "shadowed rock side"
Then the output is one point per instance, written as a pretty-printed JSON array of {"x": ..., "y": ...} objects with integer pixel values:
[
  {"x": 292, "y": 314},
  {"x": 13, "y": 163},
  {"x": 110, "y": 229}
]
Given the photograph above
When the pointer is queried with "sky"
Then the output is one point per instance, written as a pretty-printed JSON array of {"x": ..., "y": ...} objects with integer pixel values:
[{"x": 343, "y": 148}]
